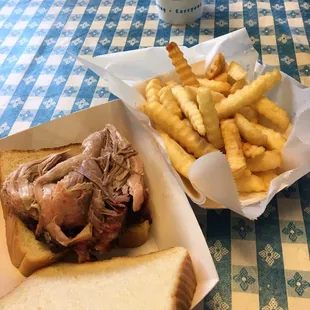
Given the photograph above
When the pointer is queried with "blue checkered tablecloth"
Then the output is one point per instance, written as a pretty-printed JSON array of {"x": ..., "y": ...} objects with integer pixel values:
[{"x": 263, "y": 264}]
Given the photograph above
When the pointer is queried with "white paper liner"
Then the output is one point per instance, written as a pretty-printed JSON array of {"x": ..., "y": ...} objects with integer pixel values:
[{"x": 141, "y": 65}]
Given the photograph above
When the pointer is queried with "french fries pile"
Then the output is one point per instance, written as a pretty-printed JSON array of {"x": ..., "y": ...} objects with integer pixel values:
[{"x": 220, "y": 111}]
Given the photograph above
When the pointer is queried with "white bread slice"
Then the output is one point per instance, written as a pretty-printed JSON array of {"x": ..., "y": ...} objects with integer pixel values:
[
  {"x": 160, "y": 280},
  {"x": 26, "y": 253}
]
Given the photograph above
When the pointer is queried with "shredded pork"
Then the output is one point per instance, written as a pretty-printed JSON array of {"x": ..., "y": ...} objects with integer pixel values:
[{"x": 93, "y": 192}]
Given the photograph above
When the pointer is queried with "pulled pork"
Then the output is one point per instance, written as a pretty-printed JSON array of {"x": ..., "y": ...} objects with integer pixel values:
[{"x": 82, "y": 202}]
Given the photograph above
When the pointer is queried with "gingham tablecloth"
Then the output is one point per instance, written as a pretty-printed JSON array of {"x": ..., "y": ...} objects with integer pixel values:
[{"x": 262, "y": 264}]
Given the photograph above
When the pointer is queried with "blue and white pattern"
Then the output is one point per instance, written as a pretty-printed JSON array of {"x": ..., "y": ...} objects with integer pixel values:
[{"x": 40, "y": 80}]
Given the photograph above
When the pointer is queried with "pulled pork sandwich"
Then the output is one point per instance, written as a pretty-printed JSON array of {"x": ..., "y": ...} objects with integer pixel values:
[{"x": 84, "y": 203}]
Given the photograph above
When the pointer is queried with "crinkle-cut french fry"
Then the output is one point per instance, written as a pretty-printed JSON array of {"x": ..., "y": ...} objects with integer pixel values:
[
  {"x": 275, "y": 141},
  {"x": 183, "y": 69},
  {"x": 180, "y": 159},
  {"x": 249, "y": 184},
  {"x": 178, "y": 130},
  {"x": 267, "y": 161},
  {"x": 216, "y": 66},
  {"x": 237, "y": 85},
  {"x": 210, "y": 118},
  {"x": 188, "y": 123},
  {"x": 192, "y": 92},
  {"x": 169, "y": 102},
  {"x": 236, "y": 72},
  {"x": 251, "y": 150},
  {"x": 273, "y": 112},
  {"x": 249, "y": 113},
  {"x": 171, "y": 83},
  {"x": 249, "y": 132},
  {"x": 189, "y": 108},
  {"x": 247, "y": 172},
  {"x": 248, "y": 94},
  {"x": 223, "y": 77},
  {"x": 233, "y": 146},
  {"x": 267, "y": 177},
  {"x": 152, "y": 89},
  {"x": 217, "y": 97},
  {"x": 221, "y": 87}
]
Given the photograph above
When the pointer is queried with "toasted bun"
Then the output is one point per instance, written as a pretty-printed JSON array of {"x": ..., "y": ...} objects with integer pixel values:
[
  {"x": 160, "y": 280},
  {"x": 26, "y": 253}
]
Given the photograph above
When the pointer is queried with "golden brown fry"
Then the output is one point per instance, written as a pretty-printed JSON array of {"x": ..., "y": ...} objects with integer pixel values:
[
  {"x": 248, "y": 94},
  {"x": 251, "y": 150},
  {"x": 230, "y": 80},
  {"x": 275, "y": 141},
  {"x": 233, "y": 146},
  {"x": 152, "y": 89},
  {"x": 237, "y": 85},
  {"x": 267, "y": 161},
  {"x": 223, "y": 77},
  {"x": 192, "y": 92},
  {"x": 189, "y": 108},
  {"x": 171, "y": 83},
  {"x": 247, "y": 172},
  {"x": 249, "y": 113},
  {"x": 183, "y": 69},
  {"x": 249, "y": 184},
  {"x": 221, "y": 87},
  {"x": 187, "y": 123},
  {"x": 273, "y": 112},
  {"x": 267, "y": 177},
  {"x": 249, "y": 132},
  {"x": 180, "y": 159},
  {"x": 216, "y": 96},
  {"x": 169, "y": 102},
  {"x": 216, "y": 67},
  {"x": 178, "y": 130},
  {"x": 210, "y": 118},
  {"x": 236, "y": 72}
]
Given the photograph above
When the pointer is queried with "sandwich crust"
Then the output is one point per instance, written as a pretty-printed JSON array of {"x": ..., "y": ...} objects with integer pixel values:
[{"x": 186, "y": 286}]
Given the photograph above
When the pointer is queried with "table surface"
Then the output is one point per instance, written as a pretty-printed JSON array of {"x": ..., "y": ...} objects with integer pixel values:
[{"x": 262, "y": 264}]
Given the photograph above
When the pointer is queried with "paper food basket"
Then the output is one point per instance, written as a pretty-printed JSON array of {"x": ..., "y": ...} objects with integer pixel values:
[
  {"x": 174, "y": 223},
  {"x": 127, "y": 74}
]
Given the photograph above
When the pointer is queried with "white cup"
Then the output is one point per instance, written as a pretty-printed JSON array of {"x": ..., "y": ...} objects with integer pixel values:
[{"x": 178, "y": 12}]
